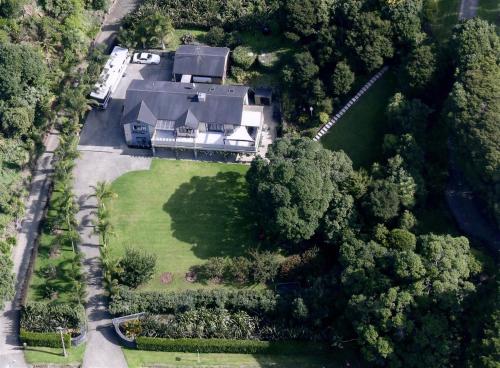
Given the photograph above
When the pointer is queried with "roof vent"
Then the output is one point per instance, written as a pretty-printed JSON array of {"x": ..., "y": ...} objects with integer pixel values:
[
  {"x": 211, "y": 89},
  {"x": 202, "y": 97},
  {"x": 230, "y": 90}
]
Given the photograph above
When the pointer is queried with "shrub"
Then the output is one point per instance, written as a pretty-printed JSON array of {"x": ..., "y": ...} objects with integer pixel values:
[
  {"x": 47, "y": 339},
  {"x": 244, "y": 57},
  {"x": 257, "y": 302},
  {"x": 216, "y": 37},
  {"x": 228, "y": 346},
  {"x": 238, "y": 270},
  {"x": 213, "y": 268},
  {"x": 187, "y": 38},
  {"x": 42, "y": 317},
  {"x": 265, "y": 266},
  {"x": 138, "y": 267},
  {"x": 203, "y": 345},
  {"x": 402, "y": 239},
  {"x": 201, "y": 323}
]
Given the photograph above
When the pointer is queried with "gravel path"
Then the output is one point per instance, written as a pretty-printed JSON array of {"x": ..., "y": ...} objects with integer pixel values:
[
  {"x": 468, "y": 9},
  {"x": 11, "y": 355}
]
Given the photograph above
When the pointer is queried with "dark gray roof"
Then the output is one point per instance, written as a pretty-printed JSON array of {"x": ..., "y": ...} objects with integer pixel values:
[
  {"x": 150, "y": 101},
  {"x": 201, "y": 60}
]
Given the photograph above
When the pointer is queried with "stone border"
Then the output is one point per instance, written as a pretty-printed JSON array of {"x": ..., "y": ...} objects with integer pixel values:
[
  {"x": 325, "y": 128},
  {"x": 119, "y": 320}
]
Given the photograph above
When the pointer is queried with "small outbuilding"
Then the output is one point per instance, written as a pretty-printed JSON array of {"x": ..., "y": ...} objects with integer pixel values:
[
  {"x": 200, "y": 64},
  {"x": 263, "y": 96}
]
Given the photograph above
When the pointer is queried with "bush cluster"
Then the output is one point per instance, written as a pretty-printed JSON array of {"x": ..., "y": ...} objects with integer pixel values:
[
  {"x": 259, "y": 267},
  {"x": 257, "y": 302},
  {"x": 244, "y": 57},
  {"x": 137, "y": 267},
  {"x": 42, "y": 317},
  {"x": 46, "y": 339},
  {"x": 201, "y": 323}
]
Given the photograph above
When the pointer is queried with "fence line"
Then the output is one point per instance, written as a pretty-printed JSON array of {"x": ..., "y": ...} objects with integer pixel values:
[{"x": 325, "y": 128}]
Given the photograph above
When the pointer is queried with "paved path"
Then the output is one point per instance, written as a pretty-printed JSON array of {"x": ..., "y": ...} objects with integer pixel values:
[
  {"x": 103, "y": 349},
  {"x": 325, "y": 128},
  {"x": 111, "y": 24},
  {"x": 10, "y": 354},
  {"x": 468, "y": 9}
]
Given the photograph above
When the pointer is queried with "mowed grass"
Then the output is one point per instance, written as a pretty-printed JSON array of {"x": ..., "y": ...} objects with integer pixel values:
[
  {"x": 138, "y": 358},
  {"x": 183, "y": 212},
  {"x": 360, "y": 131},
  {"x": 42, "y": 355},
  {"x": 175, "y": 41}
]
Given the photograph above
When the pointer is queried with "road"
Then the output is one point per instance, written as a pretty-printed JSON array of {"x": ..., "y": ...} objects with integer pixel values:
[
  {"x": 10, "y": 353},
  {"x": 468, "y": 9}
]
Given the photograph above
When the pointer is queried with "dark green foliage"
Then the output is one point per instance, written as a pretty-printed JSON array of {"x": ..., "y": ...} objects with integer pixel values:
[
  {"x": 6, "y": 277},
  {"x": 305, "y": 17},
  {"x": 10, "y": 8},
  {"x": 402, "y": 239},
  {"x": 244, "y": 57},
  {"x": 402, "y": 301},
  {"x": 342, "y": 79},
  {"x": 407, "y": 116},
  {"x": 152, "y": 29},
  {"x": 100, "y": 4},
  {"x": 43, "y": 317},
  {"x": 216, "y": 36},
  {"x": 228, "y": 346},
  {"x": 405, "y": 17},
  {"x": 418, "y": 70},
  {"x": 47, "y": 339},
  {"x": 370, "y": 40},
  {"x": 474, "y": 109},
  {"x": 293, "y": 189},
  {"x": 137, "y": 267},
  {"x": 382, "y": 202},
  {"x": 203, "y": 345}
]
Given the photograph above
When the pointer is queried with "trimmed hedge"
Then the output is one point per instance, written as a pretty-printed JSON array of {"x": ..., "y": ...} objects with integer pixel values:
[
  {"x": 229, "y": 346},
  {"x": 46, "y": 339},
  {"x": 203, "y": 345}
]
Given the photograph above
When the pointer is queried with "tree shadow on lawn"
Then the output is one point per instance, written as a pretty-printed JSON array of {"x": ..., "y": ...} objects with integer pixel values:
[{"x": 213, "y": 213}]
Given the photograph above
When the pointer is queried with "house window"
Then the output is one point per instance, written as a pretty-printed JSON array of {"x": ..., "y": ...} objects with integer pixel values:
[
  {"x": 211, "y": 127},
  {"x": 139, "y": 128}
]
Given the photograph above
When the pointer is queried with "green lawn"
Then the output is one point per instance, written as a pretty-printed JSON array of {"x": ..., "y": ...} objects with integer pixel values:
[
  {"x": 183, "y": 212},
  {"x": 138, "y": 358},
  {"x": 490, "y": 10},
  {"x": 41, "y": 285},
  {"x": 41, "y": 355},
  {"x": 178, "y": 33},
  {"x": 360, "y": 131},
  {"x": 443, "y": 15}
]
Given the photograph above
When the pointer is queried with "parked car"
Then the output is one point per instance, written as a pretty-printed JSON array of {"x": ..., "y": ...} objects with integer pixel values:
[{"x": 146, "y": 58}]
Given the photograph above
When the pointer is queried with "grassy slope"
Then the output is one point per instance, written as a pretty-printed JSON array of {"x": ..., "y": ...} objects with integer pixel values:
[
  {"x": 490, "y": 10},
  {"x": 443, "y": 16},
  {"x": 137, "y": 358},
  {"x": 42, "y": 355},
  {"x": 360, "y": 131},
  {"x": 183, "y": 212}
]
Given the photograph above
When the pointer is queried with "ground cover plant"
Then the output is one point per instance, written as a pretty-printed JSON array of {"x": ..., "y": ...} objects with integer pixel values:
[{"x": 182, "y": 212}]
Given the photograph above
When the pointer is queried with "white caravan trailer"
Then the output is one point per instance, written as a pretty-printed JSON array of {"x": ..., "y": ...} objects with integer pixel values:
[{"x": 110, "y": 76}]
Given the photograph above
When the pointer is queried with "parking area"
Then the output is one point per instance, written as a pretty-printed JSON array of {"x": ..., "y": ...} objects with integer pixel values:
[{"x": 102, "y": 130}]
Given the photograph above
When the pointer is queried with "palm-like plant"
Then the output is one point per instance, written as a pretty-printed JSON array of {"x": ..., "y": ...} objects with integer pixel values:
[
  {"x": 103, "y": 191},
  {"x": 106, "y": 230}
]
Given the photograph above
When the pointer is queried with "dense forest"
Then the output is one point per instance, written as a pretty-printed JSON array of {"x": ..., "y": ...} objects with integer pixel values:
[{"x": 43, "y": 49}]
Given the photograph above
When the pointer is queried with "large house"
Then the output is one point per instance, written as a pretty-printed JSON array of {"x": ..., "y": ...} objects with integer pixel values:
[
  {"x": 191, "y": 115},
  {"x": 200, "y": 64}
]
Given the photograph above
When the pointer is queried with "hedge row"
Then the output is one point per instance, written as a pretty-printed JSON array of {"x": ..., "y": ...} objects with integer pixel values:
[
  {"x": 261, "y": 302},
  {"x": 46, "y": 339},
  {"x": 228, "y": 346},
  {"x": 202, "y": 345}
]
